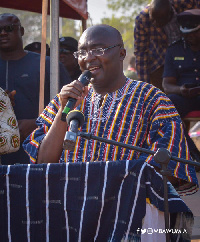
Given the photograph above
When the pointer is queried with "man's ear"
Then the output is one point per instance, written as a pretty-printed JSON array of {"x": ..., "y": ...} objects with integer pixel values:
[
  {"x": 122, "y": 54},
  {"x": 22, "y": 31}
]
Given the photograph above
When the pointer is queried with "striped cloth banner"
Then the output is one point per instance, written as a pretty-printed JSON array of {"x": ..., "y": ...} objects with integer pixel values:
[{"x": 97, "y": 201}]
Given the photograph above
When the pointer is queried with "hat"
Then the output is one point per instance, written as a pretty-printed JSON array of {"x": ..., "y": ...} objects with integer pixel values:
[
  {"x": 69, "y": 43},
  {"x": 35, "y": 46},
  {"x": 189, "y": 20}
]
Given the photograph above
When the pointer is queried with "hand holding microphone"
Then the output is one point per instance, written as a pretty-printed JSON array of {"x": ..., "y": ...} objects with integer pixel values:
[{"x": 84, "y": 79}]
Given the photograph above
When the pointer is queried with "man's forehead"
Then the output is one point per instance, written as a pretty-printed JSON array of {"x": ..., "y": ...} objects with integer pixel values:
[
  {"x": 9, "y": 19},
  {"x": 97, "y": 38}
]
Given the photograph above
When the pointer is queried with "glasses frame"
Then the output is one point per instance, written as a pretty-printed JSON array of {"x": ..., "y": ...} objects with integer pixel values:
[
  {"x": 64, "y": 51},
  {"x": 8, "y": 25},
  {"x": 76, "y": 53}
]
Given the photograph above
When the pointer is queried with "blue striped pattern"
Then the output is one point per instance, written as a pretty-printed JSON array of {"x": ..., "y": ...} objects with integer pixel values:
[
  {"x": 93, "y": 201},
  {"x": 138, "y": 114}
]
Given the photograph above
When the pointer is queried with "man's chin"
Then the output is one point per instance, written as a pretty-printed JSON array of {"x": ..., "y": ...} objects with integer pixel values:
[{"x": 92, "y": 80}]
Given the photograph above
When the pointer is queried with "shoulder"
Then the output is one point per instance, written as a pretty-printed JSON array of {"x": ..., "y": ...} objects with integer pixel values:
[
  {"x": 4, "y": 100},
  {"x": 182, "y": 5},
  {"x": 144, "y": 14},
  {"x": 176, "y": 45},
  {"x": 143, "y": 88},
  {"x": 3, "y": 94},
  {"x": 32, "y": 56}
]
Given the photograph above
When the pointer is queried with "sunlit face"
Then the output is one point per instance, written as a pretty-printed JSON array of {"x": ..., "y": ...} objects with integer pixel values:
[
  {"x": 104, "y": 68},
  {"x": 10, "y": 40}
]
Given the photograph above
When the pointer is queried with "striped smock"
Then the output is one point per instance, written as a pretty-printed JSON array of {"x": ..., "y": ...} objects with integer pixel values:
[{"x": 137, "y": 114}]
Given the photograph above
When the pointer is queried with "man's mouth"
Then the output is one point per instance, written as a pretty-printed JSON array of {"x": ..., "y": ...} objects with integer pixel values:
[
  {"x": 3, "y": 40},
  {"x": 94, "y": 69}
]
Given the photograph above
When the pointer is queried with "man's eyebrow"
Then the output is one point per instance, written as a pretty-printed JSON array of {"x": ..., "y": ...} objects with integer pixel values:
[{"x": 92, "y": 46}]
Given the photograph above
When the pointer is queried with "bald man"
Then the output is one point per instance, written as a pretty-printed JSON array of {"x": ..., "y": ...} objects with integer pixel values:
[
  {"x": 20, "y": 71},
  {"x": 115, "y": 107}
]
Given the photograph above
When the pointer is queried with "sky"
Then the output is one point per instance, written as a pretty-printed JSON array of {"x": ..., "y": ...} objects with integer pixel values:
[{"x": 98, "y": 9}]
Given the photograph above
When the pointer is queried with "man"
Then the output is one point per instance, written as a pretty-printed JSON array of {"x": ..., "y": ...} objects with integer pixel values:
[
  {"x": 115, "y": 107},
  {"x": 156, "y": 27},
  {"x": 131, "y": 71},
  {"x": 68, "y": 46},
  {"x": 20, "y": 71},
  {"x": 182, "y": 69},
  {"x": 36, "y": 47}
]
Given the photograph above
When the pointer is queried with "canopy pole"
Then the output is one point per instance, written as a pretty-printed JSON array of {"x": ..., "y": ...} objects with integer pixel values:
[
  {"x": 84, "y": 24},
  {"x": 43, "y": 54},
  {"x": 54, "y": 48}
]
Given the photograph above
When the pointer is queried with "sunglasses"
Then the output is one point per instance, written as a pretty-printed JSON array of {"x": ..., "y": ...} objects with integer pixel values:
[
  {"x": 64, "y": 51},
  {"x": 8, "y": 28}
]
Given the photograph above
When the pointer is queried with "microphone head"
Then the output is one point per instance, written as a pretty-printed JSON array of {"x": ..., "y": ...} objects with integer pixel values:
[
  {"x": 75, "y": 114},
  {"x": 85, "y": 77}
]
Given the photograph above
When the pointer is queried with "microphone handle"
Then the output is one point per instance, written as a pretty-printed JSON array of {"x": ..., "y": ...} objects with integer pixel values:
[
  {"x": 84, "y": 79},
  {"x": 70, "y": 105}
]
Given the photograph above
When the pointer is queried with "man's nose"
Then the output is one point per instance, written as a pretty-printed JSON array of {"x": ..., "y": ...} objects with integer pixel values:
[
  {"x": 3, "y": 31},
  {"x": 89, "y": 56}
]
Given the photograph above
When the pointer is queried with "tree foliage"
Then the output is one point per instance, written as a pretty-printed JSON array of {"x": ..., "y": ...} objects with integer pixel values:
[
  {"x": 32, "y": 23},
  {"x": 125, "y": 27},
  {"x": 126, "y": 5},
  {"x": 123, "y": 19}
]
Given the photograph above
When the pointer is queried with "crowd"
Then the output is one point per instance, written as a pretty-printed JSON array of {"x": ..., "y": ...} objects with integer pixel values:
[{"x": 143, "y": 106}]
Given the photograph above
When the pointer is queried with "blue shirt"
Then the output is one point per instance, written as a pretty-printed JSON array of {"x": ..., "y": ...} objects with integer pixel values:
[
  {"x": 182, "y": 63},
  {"x": 23, "y": 75}
]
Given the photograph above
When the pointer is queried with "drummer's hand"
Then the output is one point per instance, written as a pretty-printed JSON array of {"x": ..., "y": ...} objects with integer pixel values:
[
  {"x": 74, "y": 90},
  {"x": 11, "y": 95}
]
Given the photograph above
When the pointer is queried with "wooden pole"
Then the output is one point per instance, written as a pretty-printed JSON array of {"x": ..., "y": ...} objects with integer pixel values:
[
  {"x": 84, "y": 25},
  {"x": 43, "y": 54}
]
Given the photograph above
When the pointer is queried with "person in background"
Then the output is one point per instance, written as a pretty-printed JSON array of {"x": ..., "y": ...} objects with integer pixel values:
[
  {"x": 9, "y": 130},
  {"x": 181, "y": 78},
  {"x": 36, "y": 47},
  {"x": 131, "y": 71},
  {"x": 68, "y": 46},
  {"x": 116, "y": 108},
  {"x": 156, "y": 27},
  {"x": 20, "y": 71}
]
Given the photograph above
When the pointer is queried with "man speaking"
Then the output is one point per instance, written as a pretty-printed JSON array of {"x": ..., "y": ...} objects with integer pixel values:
[
  {"x": 115, "y": 108},
  {"x": 120, "y": 109}
]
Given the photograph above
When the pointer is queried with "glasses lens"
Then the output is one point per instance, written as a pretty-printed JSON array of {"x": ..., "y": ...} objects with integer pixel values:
[
  {"x": 7, "y": 28},
  {"x": 81, "y": 54},
  {"x": 75, "y": 54},
  {"x": 97, "y": 52},
  {"x": 64, "y": 51}
]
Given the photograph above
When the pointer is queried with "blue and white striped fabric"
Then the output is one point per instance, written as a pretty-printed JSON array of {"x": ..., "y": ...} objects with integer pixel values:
[{"x": 97, "y": 201}]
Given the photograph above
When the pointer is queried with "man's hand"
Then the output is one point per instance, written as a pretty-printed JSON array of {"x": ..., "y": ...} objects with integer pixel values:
[
  {"x": 189, "y": 92},
  {"x": 74, "y": 90},
  {"x": 185, "y": 92},
  {"x": 11, "y": 95},
  {"x": 26, "y": 126}
]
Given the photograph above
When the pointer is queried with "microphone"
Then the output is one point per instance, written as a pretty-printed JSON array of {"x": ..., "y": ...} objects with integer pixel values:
[
  {"x": 84, "y": 79},
  {"x": 75, "y": 119}
]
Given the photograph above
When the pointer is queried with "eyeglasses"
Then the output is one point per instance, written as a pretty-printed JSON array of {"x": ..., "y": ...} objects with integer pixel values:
[
  {"x": 81, "y": 54},
  {"x": 64, "y": 51},
  {"x": 8, "y": 28}
]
